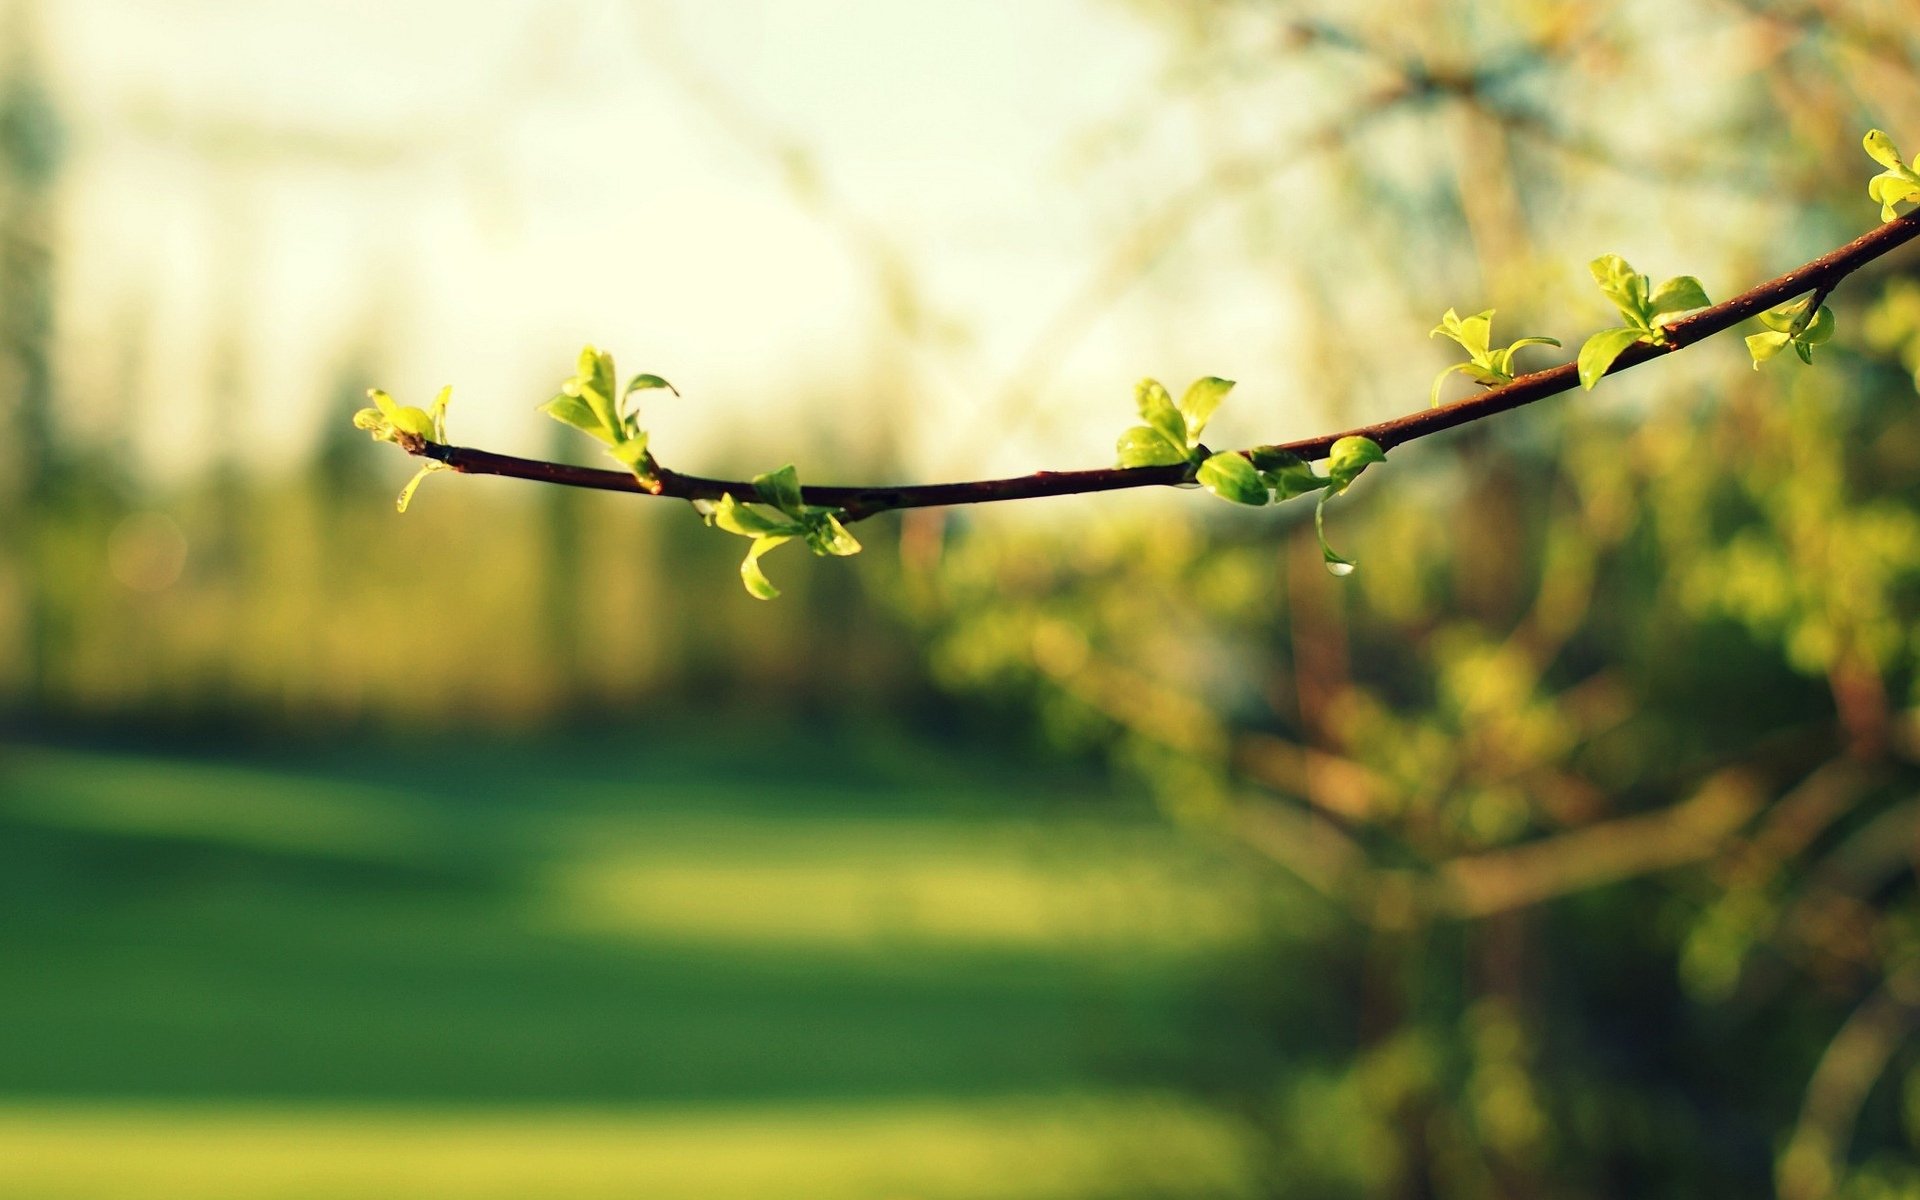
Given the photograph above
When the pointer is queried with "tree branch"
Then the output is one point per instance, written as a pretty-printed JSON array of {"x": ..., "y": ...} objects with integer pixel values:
[{"x": 1820, "y": 275}]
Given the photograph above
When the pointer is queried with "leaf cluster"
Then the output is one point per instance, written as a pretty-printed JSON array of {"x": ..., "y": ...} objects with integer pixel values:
[
  {"x": 1485, "y": 365},
  {"x": 587, "y": 402},
  {"x": 388, "y": 421},
  {"x": 1171, "y": 433},
  {"x": 1798, "y": 324},
  {"x": 780, "y": 516},
  {"x": 1170, "y": 436},
  {"x": 1898, "y": 184},
  {"x": 1641, "y": 305}
]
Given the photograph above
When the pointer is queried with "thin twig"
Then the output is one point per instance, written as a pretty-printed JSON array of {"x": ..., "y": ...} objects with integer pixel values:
[{"x": 1820, "y": 275}]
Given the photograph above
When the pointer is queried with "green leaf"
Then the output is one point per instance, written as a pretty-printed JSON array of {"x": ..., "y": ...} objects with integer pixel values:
[
  {"x": 1472, "y": 332},
  {"x": 438, "y": 413},
  {"x": 1891, "y": 188},
  {"x": 601, "y": 406},
  {"x": 632, "y": 451},
  {"x": 593, "y": 382},
  {"x": 782, "y": 490},
  {"x": 1763, "y": 346},
  {"x": 595, "y": 369},
  {"x": 1201, "y": 399},
  {"x": 1820, "y": 328},
  {"x": 415, "y": 421},
  {"x": 1791, "y": 324},
  {"x": 403, "y": 417},
  {"x": 1599, "y": 352},
  {"x": 1682, "y": 293},
  {"x": 640, "y": 383},
  {"x": 569, "y": 409},
  {"x": 1336, "y": 565},
  {"x": 1625, "y": 287},
  {"x": 1348, "y": 457},
  {"x": 413, "y": 485},
  {"x": 826, "y": 535},
  {"x": 1287, "y": 473},
  {"x": 1433, "y": 400},
  {"x": 1501, "y": 361},
  {"x": 1157, "y": 410},
  {"x": 758, "y": 585},
  {"x": 1144, "y": 446},
  {"x": 1230, "y": 476},
  {"x": 737, "y": 518},
  {"x": 1880, "y": 148}
]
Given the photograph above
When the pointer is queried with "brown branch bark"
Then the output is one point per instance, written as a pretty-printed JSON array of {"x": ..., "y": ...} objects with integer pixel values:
[{"x": 1820, "y": 275}]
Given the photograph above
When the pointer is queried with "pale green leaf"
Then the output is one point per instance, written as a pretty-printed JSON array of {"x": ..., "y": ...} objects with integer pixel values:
[
  {"x": 1143, "y": 446},
  {"x": 595, "y": 370},
  {"x": 1820, "y": 328},
  {"x": 1475, "y": 333},
  {"x": 1598, "y": 353},
  {"x": 415, "y": 421},
  {"x": 1763, "y": 346},
  {"x": 438, "y": 411},
  {"x": 1682, "y": 293},
  {"x": 1500, "y": 362},
  {"x": 640, "y": 383},
  {"x": 737, "y": 518},
  {"x": 1472, "y": 333},
  {"x": 758, "y": 585},
  {"x": 1348, "y": 457},
  {"x": 1880, "y": 148},
  {"x": 1231, "y": 477},
  {"x": 632, "y": 451},
  {"x": 1199, "y": 402},
  {"x": 413, "y": 485},
  {"x": 781, "y": 489},
  {"x": 1433, "y": 400},
  {"x": 1533, "y": 341},
  {"x": 826, "y": 535},
  {"x": 1891, "y": 188},
  {"x": 1156, "y": 409},
  {"x": 601, "y": 406},
  {"x": 569, "y": 409},
  {"x": 1287, "y": 473}
]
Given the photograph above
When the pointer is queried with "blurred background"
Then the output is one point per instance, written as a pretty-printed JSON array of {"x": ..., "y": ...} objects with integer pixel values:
[{"x": 1096, "y": 847}]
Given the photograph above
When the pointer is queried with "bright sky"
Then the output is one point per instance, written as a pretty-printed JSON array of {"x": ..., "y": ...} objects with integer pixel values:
[{"x": 481, "y": 188}]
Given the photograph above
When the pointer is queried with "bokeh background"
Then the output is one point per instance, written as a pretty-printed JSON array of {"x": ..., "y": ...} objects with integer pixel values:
[{"x": 1098, "y": 847}]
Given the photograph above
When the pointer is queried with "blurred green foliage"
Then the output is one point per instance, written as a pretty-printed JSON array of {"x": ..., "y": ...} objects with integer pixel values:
[{"x": 1603, "y": 767}]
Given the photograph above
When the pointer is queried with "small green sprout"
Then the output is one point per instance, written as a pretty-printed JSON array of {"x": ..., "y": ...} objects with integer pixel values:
[
  {"x": 586, "y": 402},
  {"x": 791, "y": 518},
  {"x": 1898, "y": 184},
  {"x": 1641, "y": 304},
  {"x": 1484, "y": 365},
  {"x": 402, "y": 424},
  {"x": 1795, "y": 325},
  {"x": 1286, "y": 475},
  {"x": 1171, "y": 434}
]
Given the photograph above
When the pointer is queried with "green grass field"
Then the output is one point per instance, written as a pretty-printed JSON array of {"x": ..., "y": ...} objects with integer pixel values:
[{"x": 662, "y": 968}]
